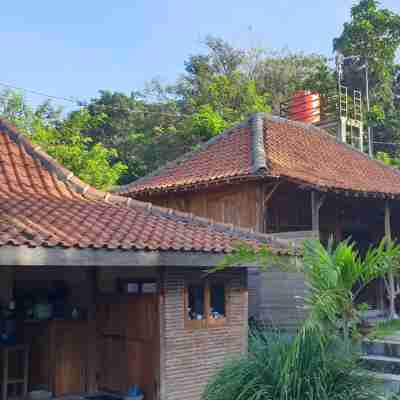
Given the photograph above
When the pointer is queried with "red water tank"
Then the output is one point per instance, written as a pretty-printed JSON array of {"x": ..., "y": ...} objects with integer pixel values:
[{"x": 305, "y": 106}]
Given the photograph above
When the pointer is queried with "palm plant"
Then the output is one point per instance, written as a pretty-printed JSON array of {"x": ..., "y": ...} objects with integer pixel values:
[
  {"x": 335, "y": 277},
  {"x": 316, "y": 365}
]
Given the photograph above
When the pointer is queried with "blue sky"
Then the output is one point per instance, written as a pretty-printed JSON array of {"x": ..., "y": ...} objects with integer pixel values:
[{"x": 74, "y": 48}]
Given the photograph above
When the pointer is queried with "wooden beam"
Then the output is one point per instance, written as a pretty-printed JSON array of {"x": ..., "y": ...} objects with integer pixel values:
[
  {"x": 58, "y": 256},
  {"x": 266, "y": 197}
]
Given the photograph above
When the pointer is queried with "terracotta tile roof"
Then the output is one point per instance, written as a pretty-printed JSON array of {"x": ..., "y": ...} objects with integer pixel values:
[
  {"x": 43, "y": 204},
  {"x": 267, "y": 146}
]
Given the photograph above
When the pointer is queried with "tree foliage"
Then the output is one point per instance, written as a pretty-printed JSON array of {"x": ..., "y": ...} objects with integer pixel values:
[
  {"x": 63, "y": 138},
  {"x": 218, "y": 88},
  {"x": 373, "y": 34}
]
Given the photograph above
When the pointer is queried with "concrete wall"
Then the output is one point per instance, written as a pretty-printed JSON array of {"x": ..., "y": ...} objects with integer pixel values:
[{"x": 190, "y": 357}]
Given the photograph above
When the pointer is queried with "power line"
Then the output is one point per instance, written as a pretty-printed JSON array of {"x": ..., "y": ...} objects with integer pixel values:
[
  {"x": 71, "y": 100},
  {"x": 82, "y": 104}
]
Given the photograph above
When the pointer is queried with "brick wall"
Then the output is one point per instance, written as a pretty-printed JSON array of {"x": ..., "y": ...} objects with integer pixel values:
[{"x": 190, "y": 357}]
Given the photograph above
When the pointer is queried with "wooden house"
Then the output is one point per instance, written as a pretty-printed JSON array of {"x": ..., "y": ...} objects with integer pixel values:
[
  {"x": 287, "y": 179},
  {"x": 109, "y": 291}
]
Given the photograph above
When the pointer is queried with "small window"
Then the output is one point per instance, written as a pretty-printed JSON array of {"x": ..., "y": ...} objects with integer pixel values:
[
  {"x": 195, "y": 310},
  {"x": 137, "y": 287},
  {"x": 205, "y": 304},
  {"x": 217, "y": 301},
  {"x": 149, "y": 287},
  {"x": 132, "y": 288}
]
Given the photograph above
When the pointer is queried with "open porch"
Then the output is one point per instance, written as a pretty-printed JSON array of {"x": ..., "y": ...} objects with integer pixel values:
[{"x": 103, "y": 329}]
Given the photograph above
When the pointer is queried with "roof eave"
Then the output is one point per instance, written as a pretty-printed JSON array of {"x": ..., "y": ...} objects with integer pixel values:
[{"x": 25, "y": 256}]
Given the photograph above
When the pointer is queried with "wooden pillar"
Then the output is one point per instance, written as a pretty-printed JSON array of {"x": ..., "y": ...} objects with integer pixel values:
[
  {"x": 316, "y": 202},
  {"x": 7, "y": 277},
  {"x": 388, "y": 228},
  {"x": 92, "y": 356},
  {"x": 391, "y": 278},
  {"x": 162, "y": 390}
]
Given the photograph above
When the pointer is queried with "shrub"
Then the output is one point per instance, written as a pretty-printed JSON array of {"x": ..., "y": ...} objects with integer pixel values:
[{"x": 308, "y": 367}]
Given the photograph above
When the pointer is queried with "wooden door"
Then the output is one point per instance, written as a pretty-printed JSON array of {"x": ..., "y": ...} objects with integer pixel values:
[
  {"x": 68, "y": 349},
  {"x": 129, "y": 343}
]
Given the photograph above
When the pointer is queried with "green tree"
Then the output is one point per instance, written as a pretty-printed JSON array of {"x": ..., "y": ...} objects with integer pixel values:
[
  {"x": 223, "y": 101},
  {"x": 144, "y": 128},
  {"x": 281, "y": 73},
  {"x": 65, "y": 142},
  {"x": 218, "y": 88},
  {"x": 62, "y": 138},
  {"x": 373, "y": 34},
  {"x": 15, "y": 109}
]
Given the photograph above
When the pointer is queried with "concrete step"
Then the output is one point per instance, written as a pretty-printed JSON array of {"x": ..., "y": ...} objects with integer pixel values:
[
  {"x": 391, "y": 382},
  {"x": 382, "y": 364},
  {"x": 389, "y": 348}
]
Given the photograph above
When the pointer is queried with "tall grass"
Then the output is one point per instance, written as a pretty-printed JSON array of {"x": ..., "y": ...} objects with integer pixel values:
[{"x": 309, "y": 367}]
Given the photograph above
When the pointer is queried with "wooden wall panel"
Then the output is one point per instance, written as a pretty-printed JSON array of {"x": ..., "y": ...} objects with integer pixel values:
[
  {"x": 58, "y": 355},
  {"x": 279, "y": 297},
  {"x": 236, "y": 204}
]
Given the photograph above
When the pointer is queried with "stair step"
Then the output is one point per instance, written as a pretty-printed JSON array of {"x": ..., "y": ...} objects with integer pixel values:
[
  {"x": 386, "y": 377},
  {"x": 382, "y": 364},
  {"x": 382, "y": 341},
  {"x": 391, "y": 382},
  {"x": 381, "y": 348},
  {"x": 381, "y": 358}
]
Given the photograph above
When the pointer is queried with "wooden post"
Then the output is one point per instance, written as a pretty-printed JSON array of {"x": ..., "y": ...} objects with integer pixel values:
[
  {"x": 316, "y": 203},
  {"x": 26, "y": 372},
  {"x": 92, "y": 331},
  {"x": 388, "y": 229},
  {"x": 4, "y": 386},
  {"x": 162, "y": 392},
  {"x": 7, "y": 277},
  {"x": 391, "y": 279}
]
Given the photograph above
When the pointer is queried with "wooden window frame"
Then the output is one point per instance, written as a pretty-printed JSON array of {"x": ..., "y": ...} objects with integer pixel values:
[{"x": 207, "y": 322}]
